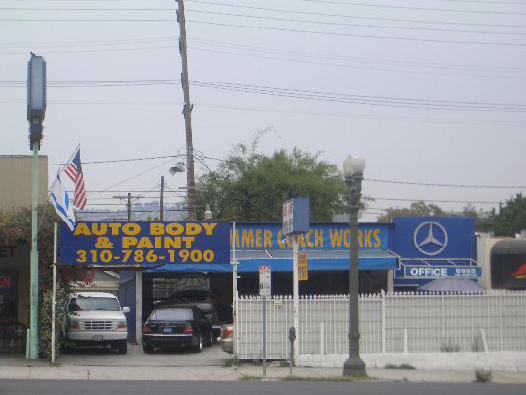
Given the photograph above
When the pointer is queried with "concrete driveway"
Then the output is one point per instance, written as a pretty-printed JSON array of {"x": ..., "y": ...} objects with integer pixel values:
[{"x": 177, "y": 357}]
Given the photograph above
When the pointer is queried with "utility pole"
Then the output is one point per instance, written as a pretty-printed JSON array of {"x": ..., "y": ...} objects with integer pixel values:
[
  {"x": 161, "y": 214},
  {"x": 129, "y": 198},
  {"x": 187, "y": 111}
]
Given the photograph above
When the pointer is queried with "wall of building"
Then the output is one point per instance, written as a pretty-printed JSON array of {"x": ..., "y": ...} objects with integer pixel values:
[{"x": 15, "y": 180}]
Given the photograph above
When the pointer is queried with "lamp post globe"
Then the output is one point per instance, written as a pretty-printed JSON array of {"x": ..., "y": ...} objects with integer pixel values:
[
  {"x": 353, "y": 167},
  {"x": 353, "y": 164}
]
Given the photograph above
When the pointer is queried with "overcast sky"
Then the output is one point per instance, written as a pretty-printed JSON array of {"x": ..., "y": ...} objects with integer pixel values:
[{"x": 429, "y": 91}]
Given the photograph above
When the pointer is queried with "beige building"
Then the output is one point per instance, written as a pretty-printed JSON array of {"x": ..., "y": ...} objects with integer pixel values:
[
  {"x": 15, "y": 180},
  {"x": 15, "y": 193}
]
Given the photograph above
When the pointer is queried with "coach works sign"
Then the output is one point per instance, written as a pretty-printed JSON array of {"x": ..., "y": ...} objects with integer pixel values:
[{"x": 117, "y": 243}]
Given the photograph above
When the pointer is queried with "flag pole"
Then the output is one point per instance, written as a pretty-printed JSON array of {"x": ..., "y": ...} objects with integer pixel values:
[{"x": 54, "y": 307}]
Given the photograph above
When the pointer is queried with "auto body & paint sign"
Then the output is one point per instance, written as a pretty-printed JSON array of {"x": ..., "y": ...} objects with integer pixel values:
[{"x": 134, "y": 243}]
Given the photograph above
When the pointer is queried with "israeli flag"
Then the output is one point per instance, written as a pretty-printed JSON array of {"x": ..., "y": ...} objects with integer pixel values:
[{"x": 60, "y": 200}]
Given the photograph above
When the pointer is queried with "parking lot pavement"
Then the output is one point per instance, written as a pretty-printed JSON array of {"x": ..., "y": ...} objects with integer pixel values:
[{"x": 177, "y": 357}]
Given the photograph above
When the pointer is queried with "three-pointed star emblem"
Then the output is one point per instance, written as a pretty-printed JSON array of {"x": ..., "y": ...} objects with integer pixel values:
[{"x": 430, "y": 238}]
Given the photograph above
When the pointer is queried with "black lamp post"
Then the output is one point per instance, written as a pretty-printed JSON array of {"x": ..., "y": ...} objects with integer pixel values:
[{"x": 353, "y": 167}]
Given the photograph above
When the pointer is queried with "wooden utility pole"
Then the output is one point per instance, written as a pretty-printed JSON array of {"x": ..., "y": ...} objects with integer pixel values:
[
  {"x": 129, "y": 198},
  {"x": 187, "y": 111},
  {"x": 161, "y": 203}
]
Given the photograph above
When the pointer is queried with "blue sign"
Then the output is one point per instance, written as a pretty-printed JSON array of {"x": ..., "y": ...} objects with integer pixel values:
[
  {"x": 296, "y": 215},
  {"x": 131, "y": 243},
  {"x": 433, "y": 272},
  {"x": 434, "y": 237},
  {"x": 331, "y": 236}
]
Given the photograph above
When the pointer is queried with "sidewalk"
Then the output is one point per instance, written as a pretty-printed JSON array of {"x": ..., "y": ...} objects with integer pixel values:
[{"x": 17, "y": 367}]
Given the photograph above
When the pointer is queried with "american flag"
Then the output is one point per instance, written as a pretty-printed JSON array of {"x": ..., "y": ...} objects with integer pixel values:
[{"x": 74, "y": 171}]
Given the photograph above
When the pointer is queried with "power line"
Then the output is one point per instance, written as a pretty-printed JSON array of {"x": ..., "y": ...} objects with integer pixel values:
[
  {"x": 303, "y": 94},
  {"x": 123, "y": 160},
  {"x": 252, "y": 48},
  {"x": 433, "y": 200},
  {"x": 359, "y": 35},
  {"x": 275, "y": 29},
  {"x": 422, "y": 183},
  {"x": 412, "y": 8},
  {"x": 364, "y": 67},
  {"x": 358, "y": 25},
  {"x": 353, "y": 16},
  {"x": 449, "y": 185}
]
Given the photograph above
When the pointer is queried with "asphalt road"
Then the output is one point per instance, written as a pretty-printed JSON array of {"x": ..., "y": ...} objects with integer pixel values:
[{"x": 90, "y": 387}]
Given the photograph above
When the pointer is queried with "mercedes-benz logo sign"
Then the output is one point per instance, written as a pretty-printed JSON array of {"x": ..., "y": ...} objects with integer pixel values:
[{"x": 430, "y": 238}]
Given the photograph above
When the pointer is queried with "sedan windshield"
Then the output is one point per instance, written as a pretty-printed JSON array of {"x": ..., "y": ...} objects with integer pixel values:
[
  {"x": 90, "y": 303},
  {"x": 172, "y": 315}
]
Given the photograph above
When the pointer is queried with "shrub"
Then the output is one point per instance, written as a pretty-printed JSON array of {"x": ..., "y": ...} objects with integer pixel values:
[
  {"x": 450, "y": 346},
  {"x": 45, "y": 319},
  {"x": 483, "y": 376}
]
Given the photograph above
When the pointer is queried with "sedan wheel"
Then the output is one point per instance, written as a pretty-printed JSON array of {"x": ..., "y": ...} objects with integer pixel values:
[
  {"x": 209, "y": 340},
  {"x": 199, "y": 346}
]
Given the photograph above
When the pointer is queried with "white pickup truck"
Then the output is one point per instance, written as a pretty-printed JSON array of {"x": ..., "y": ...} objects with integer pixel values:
[{"x": 96, "y": 319}]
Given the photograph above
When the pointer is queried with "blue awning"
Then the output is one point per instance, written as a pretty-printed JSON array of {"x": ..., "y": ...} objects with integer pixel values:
[{"x": 281, "y": 261}]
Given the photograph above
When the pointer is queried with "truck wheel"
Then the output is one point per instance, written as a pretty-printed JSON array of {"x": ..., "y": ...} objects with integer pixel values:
[
  {"x": 199, "y": 346},
  {"x": 147, "y": 348},
  {"x": 122, "y": 345}
]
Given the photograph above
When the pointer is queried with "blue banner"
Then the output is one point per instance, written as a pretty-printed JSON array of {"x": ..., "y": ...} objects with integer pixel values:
[
  {"x": 148, "y": 243},
  {"x": 434, "y": 237},
  {"x": 329, "y": 236}
]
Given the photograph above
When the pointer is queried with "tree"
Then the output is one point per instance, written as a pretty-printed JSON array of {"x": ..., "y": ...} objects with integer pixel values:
[
  {"x": 15, "y": 229},
  {"x": 511, "y": 218},
  {"x": 249, "y": 186},
  {"x": 421, "y": 209},
  {"x": 416, "y": 209}
]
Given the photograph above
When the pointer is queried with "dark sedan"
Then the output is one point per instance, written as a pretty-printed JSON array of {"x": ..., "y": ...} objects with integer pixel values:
[{"x": 170, "y": 326}]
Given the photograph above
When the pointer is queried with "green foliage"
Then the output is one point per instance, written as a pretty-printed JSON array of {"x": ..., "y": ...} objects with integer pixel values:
[
  {"x": 45, "y": 320},
  {"x": 250, "y": 186},
  {"x": 511, "y": 217},
  {"x": 15, "y": 229},
  {"x": 483, "y": 376},
  {"x": 421, "y": 209},
  {"x": 450, "y": 346}
]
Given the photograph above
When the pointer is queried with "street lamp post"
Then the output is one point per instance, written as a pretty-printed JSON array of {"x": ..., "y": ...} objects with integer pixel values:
[{"x": 353, "y": 167}]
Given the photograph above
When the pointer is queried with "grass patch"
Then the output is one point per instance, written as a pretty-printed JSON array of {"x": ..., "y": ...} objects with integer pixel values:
[
  {"x": 405, "y": 366},
  {"x": 483, "y": 376},
  {"x": 284, "y": 364},
  {"x": 250, "y": 378},
  {"x": 231, "y": 362},
  {"x": 450, "y": 346}
]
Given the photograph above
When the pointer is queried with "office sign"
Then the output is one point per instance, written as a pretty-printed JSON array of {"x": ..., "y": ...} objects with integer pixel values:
[
  {"x": 432, "y": 272},
  {"x": 122, "y": 243},
  {"x": 265, "y": 283}
]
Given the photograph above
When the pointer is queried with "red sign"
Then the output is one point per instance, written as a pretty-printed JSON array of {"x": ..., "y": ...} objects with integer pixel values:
[{"x": 5, "y": 282}]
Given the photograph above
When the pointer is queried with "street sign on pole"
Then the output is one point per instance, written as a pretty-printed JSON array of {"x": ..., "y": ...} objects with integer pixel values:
[
  {"x": 264, "y": 291},
  {"x": 264, "y": 281},
  {"x": 303, "y": 272}
]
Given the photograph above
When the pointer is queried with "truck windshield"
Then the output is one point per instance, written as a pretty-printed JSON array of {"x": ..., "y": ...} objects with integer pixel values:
[{"x": 90, "y": 303}]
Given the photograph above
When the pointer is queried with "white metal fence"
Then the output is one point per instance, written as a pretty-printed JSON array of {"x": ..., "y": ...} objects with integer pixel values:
[{"x": 389, "y": 323}]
